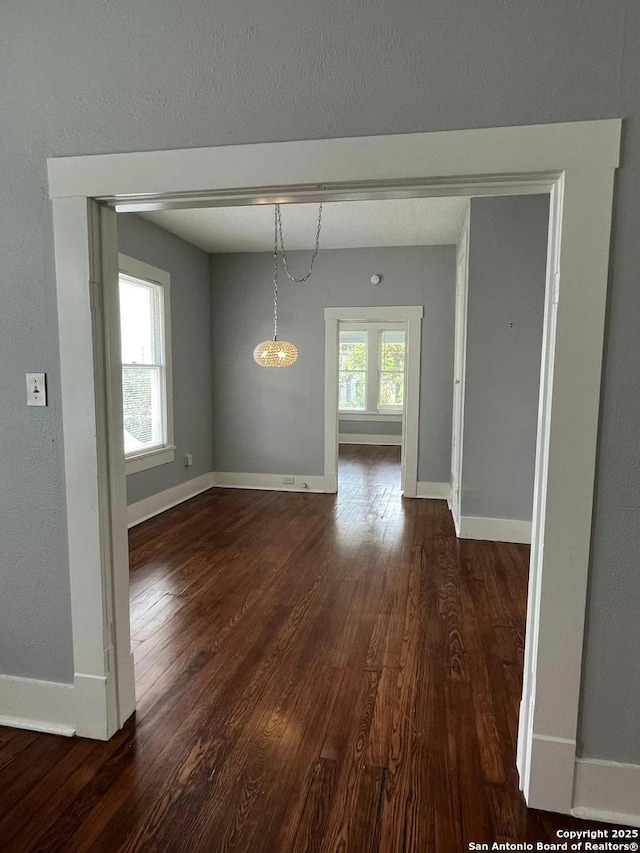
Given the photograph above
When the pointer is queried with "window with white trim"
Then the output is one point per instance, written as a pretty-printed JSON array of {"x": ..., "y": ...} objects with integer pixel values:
[
  {"x": 371, "y": 368},
  {"x": 146, "y": 365}
]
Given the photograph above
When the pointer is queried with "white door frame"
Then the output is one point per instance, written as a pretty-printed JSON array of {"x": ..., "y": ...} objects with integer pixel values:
[
  {"x": 575, "y": 162},
  {"x": 459, "y": 370},
  {"x": 411, "y": 315}
]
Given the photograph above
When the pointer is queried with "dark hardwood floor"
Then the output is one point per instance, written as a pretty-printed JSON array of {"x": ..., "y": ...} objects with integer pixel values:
[{"x": 314, "y": 673}]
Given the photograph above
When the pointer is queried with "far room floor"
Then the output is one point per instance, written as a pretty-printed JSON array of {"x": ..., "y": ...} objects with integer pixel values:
[{"x": 365, "y": 468}]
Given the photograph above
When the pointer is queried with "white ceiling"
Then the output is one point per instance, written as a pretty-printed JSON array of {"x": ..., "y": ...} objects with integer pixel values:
[{"x": 345, "y": 225}]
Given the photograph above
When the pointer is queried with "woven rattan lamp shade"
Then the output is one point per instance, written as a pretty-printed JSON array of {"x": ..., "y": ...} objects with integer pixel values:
[{"x": 275, "y": 354}]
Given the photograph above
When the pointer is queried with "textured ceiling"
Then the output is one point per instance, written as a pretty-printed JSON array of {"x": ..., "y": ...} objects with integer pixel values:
[{"x": 345, "y": 225}]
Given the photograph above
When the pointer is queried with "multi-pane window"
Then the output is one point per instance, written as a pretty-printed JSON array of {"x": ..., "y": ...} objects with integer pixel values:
[
  {"x": 371, "y": 368},
  {"x": 145, "y": 365},
  {"x": 352, "y": 367},
  {"x": 391, "y": 374}
]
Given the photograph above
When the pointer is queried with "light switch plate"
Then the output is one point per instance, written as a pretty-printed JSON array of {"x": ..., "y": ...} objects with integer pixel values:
[{"x": 36, "y": 389}]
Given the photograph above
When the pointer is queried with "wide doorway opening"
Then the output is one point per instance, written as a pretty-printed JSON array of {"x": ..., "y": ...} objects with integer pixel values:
[{"x": 86, "y": 250}]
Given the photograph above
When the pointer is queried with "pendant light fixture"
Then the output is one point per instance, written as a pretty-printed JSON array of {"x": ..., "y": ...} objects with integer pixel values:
[{"x": 275, "y": 353}]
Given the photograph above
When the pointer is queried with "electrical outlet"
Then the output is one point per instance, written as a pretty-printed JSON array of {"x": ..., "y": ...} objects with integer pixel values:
[
  {"x": 188, "y": 460},
  {"x": 289, "y": 481},
  {"x": 36, "y": 389}
]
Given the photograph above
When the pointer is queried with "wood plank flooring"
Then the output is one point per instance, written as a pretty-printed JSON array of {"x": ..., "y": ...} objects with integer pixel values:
[{"x": 314, "y": 673}]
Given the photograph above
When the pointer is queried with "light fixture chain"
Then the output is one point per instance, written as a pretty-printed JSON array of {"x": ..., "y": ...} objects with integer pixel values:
[
  {"x": 283, "y": 251},
  {"x": 275, "y": 277}
]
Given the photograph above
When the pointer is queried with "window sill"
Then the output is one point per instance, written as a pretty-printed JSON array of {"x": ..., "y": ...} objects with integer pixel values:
[
  {"x": 390, "y": 417},
  {"x": 151, "y": 459}
]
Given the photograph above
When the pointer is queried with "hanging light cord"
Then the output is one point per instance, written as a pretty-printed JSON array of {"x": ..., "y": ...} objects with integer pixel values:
[{"x": 282, "y": 249}]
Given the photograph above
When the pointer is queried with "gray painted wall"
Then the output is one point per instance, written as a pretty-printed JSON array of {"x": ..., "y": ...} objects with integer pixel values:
[
  {"x": 370, "y": 427},
  {"x": 190, "y": 349},
  {"x": 507, "y": 271},
  {"x": 272, "y": 421},
  {"x": 93, "y": 77}
]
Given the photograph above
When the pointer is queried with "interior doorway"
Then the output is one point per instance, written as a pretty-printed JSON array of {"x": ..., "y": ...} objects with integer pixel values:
[
  {"x": 575, "y": 166},
  {"x": 371, "y": 381}
]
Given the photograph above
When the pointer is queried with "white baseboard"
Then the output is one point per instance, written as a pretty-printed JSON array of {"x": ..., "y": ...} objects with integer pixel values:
[
  {"x": 40, "y": 706},
  {"x": 369, "y": 438},
  {"x": 549, "y": 782},
  {"x": 438, "y": 491},
  {"x": 269, "y": 482},
  {"x": 93, "y": 697},
  {"x": 56, "y": 708},
  {"x": 607, "y": 791},
  {"x": 155, "y": 504},
  {"x": 494, "y": 529}
]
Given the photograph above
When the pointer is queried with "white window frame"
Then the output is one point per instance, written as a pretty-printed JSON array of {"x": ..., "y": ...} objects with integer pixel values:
[
  {"x": 372, "y": 410},
  {"x": 136, "y": 462}
]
